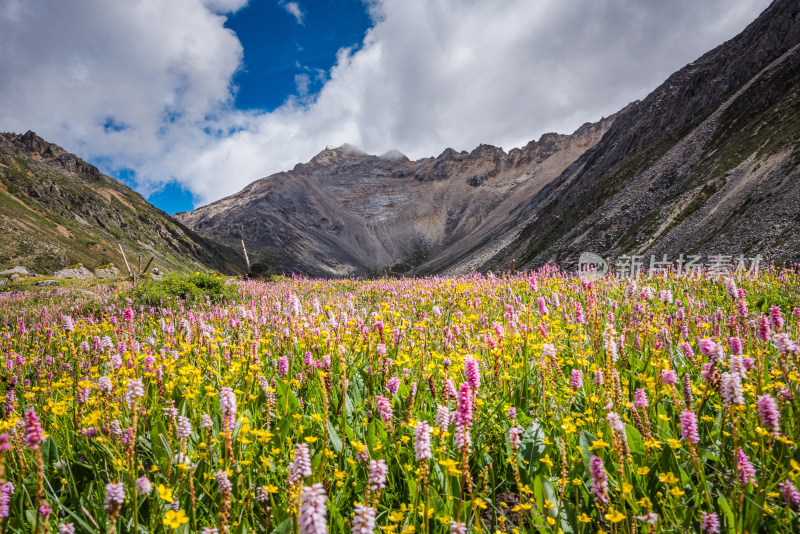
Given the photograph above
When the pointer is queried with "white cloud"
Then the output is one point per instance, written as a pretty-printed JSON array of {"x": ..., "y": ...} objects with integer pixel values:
[
  {"x": 293, "y": 8},
  {"x": 147, "y": 84}
]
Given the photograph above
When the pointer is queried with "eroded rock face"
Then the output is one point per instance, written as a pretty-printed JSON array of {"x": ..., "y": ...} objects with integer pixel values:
[
  {"x": 346, "y": 212},
  {"x": 707, "y": 164}
]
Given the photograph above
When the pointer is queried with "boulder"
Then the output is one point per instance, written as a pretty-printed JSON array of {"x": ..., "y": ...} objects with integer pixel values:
[
  {"x": 74, "y": 272},
  {"x": 109, "y": 271},
  {"x": 20, "y": 271}
]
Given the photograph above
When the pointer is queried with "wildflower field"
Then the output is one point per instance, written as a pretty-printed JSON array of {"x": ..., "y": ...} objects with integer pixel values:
[{"x": 533, "y": 402}]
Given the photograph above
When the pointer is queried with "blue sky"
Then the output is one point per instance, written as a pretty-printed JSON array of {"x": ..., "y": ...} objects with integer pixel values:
[
  {"x": 189, "y": 101},
  {"x": 277, "y": 50}
]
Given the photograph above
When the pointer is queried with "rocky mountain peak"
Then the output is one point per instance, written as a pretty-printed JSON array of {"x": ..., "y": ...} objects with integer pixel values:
[{"x": 48, "y": 153}]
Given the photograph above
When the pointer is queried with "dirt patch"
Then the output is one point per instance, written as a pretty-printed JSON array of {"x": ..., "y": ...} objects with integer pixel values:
[
  {"x": 107, "y": 193},
  {"x": 64, "y": 232}
]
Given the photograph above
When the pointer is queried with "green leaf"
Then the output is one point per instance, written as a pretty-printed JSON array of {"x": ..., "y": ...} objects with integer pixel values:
[
  {"x": 538, "y": 492},
  {"x": 284, "y": 528},
  {"x": 287, "y": 400},
  {"x": 159, "y": 444},
  {"x": 532, "y": 447},
  {"x": 635, "y": 441},
  {"x": 585, "y": 441},
  {"x": 726, "y": 509},
  {"x": 338, "y": 520},
  {"x": 336, "y": 441},
  {"x": 49, "y": 452}
]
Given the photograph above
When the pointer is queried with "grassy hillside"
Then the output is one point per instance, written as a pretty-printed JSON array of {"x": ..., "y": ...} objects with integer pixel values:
[{"x": 56, "y": 210}]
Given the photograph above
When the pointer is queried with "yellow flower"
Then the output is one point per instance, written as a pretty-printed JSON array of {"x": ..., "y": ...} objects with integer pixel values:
[
  {"x": 583, "y": 518},
  {"x": 615, "y": 516},
  {"x": 269, "y": 488},
  {"x": 175, "y": 519},
  {"x": 395, "y": 516},
  {"x": 667, "y": 478},
  {"x": 164, "y": 492},
  {"x": 643, "y": 470}
]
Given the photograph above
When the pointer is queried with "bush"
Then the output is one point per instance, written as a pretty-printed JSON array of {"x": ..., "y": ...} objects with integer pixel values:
[{"x": 191, "y": 287}]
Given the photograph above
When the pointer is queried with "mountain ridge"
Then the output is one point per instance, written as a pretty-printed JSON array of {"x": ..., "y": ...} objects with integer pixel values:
[
  {"x": 59, "y": 210},
  {"x": 345, "y": 212}
]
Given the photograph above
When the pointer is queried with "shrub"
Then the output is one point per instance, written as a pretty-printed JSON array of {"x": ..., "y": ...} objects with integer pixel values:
[{"x": 191, "y": 287}]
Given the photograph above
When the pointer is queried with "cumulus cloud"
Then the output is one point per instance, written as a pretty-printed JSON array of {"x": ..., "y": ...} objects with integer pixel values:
[
  {"x": 148, "y": 85},
  {"x": 293, "y": 8}
]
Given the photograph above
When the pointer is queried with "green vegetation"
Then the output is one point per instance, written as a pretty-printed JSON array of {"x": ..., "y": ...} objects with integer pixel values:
[{"x": 192, "y": 287}]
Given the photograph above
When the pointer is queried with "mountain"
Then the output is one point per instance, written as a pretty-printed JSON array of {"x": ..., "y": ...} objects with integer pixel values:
[
  {"x": 706, "y": 164},
  {"x": 58, "y": 210},
  {"x": 349, "y": 213}
]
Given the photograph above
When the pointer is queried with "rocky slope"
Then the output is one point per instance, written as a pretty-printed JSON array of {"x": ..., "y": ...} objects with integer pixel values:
[
  {"x": 349, "y": 213},
  {"x": 57, "y": 210},
  {"x": 707, "y": 164}
]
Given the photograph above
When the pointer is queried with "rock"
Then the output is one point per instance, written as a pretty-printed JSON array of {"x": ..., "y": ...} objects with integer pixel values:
[
  {"x": 19, "y": 271},
  {"x": 48, "y": 283},
  {"x": 74, "y": 272},
  {"x": 107, "y": 272}
]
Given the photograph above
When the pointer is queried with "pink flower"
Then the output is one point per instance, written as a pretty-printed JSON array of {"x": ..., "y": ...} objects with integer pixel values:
[
  {"x": 6, "y": 491},
  {"x": 763, "y": 328},
  {"x": 313, "y": 511},
  {"x": 442, "y": 417},
  {"x": 66, "y": 323},
  {"x": 363, "y": 519},
  {"x": 135, "y": 391},
  {"x": 384, "y": 407},
  {"x": 790, "y": 495},
  {"x": 464, "y": 414},
  {"x": 709, "y": 523},
  {"x": 640, "y": 398},
  {"x": 393, "y": 385},
  {"x": 115, "y": 497},
  {"x": 599, "y": 479},
  {"x": 422, "y": 442},
  {"x": 776, "y": 318},
  {"x": 689, "y": 430},
  {"x": 377, "y": 474},
  {"x": 300, "y": 467},
  {"x": 472, "y": 372},
  {"x": 731, "y": 389},
  {"x": 747, "y": 473},
  {"x": 227, "y": 401},
  {"x": 33, "y": 430},
  {"x": 224, "y": 483},
  {"x": 576, "y": 379},
  {"x": 514, "y": 437},
  {"x": 768, "y": 411}
]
